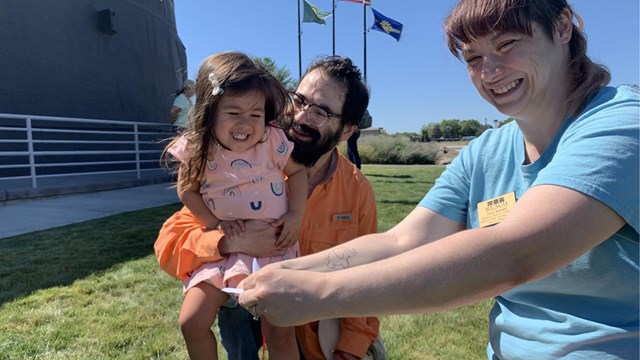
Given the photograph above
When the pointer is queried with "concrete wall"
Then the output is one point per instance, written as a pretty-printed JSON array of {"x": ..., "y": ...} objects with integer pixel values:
[{"x": 55, "y": 61}]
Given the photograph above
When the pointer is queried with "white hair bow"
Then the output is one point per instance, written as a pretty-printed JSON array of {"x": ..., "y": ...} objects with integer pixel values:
[{"x": 217, "y": 89}]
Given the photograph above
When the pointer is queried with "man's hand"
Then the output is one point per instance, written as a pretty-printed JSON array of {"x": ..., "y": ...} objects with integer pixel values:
[{"x": 258, "y": 239}]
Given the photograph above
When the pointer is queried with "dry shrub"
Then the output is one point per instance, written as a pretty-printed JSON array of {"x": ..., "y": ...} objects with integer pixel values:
[{"x": 384, "y": 149}]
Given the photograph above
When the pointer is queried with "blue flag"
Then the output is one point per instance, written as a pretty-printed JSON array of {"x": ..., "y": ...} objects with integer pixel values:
[
  {"x": 313, "y": 14},
  {"x": 386, "y": 25}
]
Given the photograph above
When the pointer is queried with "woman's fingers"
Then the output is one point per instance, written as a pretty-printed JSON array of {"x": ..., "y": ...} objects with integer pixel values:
[{"x": 283, "y": 297}]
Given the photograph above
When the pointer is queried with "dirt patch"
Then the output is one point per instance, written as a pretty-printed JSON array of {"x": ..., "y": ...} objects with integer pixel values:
[{"x": 446, "y": 153}]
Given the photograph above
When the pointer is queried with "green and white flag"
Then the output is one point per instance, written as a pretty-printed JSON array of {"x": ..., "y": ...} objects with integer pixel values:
[{"x": 313, "y": 14}]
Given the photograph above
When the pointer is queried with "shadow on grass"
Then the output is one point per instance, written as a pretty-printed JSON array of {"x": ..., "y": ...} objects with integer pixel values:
[{"x": 58, "y": 257}]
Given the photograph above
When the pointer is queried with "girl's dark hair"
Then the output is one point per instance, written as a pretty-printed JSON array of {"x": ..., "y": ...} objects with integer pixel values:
[
  {"x": 472, "y": 19},
  {"x": 237, "y": 74},
  {"x": 342, "y": 70}
]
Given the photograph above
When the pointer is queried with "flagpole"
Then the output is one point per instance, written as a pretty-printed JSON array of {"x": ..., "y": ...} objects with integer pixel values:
[
  {"x": 364, "y": 35},
  {"x": 333, "y": 28},
  {"x": 299, "y": 45}
]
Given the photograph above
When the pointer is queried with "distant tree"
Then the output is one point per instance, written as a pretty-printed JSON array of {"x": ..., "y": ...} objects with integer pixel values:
[
  {"x": 434, "y": 131},
  {"x": 424, "y": 134},
  {"x": 470, "y": 128},
  {"x": 450, "y": 128},
  {"x": 411, "y": 135},
  {"x": 280, "y": 73}
]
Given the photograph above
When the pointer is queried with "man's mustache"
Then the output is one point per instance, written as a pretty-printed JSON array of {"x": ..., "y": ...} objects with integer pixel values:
[{"x": 305, "y": 130}]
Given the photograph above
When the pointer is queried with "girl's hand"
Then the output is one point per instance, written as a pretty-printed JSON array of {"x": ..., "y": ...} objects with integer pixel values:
[
  {"x": 291, "y": 223},
  {"x": 233, "y": 228}
]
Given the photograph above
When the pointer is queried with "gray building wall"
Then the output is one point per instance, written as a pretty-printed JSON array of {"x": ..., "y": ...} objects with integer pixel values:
[{"x": 55, "y": 61}]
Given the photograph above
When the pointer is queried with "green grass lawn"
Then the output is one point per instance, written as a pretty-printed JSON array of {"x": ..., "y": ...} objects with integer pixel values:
[{"x": 94, "y": 290}]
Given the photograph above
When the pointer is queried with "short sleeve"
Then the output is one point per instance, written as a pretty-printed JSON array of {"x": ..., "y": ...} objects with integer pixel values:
[
  {"x": 181, "y": 101},
  {"x": 280, "y": 145},
  {"x": 450, "y": 194},
  {"x": 179, "y": 149}
]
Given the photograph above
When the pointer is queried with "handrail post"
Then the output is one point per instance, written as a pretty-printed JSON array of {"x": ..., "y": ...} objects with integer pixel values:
[
  {"x": 32, "y": 158},
  {"x": 137, "y": 141}
]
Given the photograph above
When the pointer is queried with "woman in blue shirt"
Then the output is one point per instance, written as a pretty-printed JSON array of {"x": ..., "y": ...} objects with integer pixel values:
[{"x": 540, "y": 214}]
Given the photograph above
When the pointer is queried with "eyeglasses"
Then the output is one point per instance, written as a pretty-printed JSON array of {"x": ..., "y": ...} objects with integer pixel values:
[{"x": 316, "y": 114}]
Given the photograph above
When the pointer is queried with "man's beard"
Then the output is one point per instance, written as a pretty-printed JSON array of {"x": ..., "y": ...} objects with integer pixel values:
[{"x": 308, "y": 153}]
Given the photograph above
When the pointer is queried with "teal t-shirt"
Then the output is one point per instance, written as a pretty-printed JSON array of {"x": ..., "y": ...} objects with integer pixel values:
[{"x": 590, "y": 308}]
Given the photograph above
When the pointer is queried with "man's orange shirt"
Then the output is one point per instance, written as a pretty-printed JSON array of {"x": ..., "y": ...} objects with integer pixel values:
[{"x": 338, "y": 211}]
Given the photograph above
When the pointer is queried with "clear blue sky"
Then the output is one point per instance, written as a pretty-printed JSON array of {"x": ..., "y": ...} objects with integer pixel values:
[{"x": 413, "y": 82}]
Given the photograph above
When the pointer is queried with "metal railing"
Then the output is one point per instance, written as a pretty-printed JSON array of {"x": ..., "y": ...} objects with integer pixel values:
[{"x": 36, "y": 147}]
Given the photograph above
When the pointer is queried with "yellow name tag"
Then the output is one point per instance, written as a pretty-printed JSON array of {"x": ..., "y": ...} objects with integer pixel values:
[{"x": 493, "y": 211}]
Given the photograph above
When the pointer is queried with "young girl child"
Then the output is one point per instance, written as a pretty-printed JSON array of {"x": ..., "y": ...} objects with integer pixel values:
[{"x": 232, "y": 158}]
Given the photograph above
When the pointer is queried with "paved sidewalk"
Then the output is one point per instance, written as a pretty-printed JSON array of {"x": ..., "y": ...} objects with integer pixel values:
[{"x": 28, "y": 215}]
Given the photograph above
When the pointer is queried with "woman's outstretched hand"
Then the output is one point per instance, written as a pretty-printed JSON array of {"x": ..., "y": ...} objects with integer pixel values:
[{"x": 284, "y": 297}]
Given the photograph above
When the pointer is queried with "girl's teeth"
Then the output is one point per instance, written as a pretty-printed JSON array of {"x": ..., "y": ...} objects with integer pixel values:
[{"x": 239, "y": 136}]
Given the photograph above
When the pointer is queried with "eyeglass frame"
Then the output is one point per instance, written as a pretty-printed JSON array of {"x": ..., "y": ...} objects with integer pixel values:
[{"x": 308, "y": 105}]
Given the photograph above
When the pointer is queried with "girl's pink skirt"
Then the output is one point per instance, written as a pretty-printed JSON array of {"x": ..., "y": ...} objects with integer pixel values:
[{"x": 230, "y": 271}]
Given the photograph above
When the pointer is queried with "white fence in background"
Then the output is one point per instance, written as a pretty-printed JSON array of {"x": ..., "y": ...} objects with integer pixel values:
[{"x": 36, "y": 147}]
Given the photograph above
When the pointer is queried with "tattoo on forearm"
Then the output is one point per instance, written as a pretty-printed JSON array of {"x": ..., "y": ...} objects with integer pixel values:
[{"x": 339, "y": 257}]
